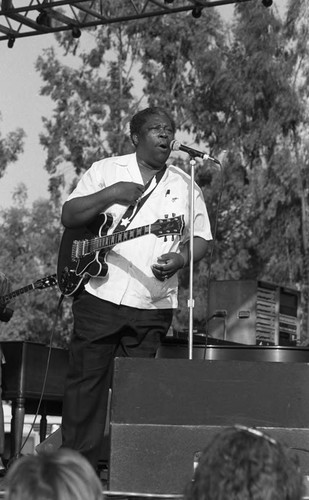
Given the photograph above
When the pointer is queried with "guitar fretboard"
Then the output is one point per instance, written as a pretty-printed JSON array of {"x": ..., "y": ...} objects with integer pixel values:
[
  {"x": 81, "y": 248},
  {"x": 39, "y": 284},
  {"x": 6, "y": 298}
]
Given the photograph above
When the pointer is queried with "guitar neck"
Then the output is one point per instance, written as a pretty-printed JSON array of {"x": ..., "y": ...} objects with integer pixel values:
[
  {"x": 6, "y": 298},
  {"x": 84, "y": 247}
]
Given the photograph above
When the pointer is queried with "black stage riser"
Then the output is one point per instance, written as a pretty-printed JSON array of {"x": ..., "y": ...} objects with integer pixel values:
[
  {"x": 164, "y": 412},
  {"x": 157, "y": 459}
]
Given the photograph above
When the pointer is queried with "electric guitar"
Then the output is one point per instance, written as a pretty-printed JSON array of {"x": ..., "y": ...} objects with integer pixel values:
[
  {"x": 79, "y": 259},
  {"x": 40, "y": 284}
]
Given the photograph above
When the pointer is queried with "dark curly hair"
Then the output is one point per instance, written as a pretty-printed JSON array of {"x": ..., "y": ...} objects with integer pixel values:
[
  {"x": 140, "y": 118},
  {"x": 244, "y": 464}
]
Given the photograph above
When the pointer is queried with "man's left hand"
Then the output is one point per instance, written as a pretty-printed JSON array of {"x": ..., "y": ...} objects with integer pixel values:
[
  {"x": 167, "y": 265},
  {"x": 5, "y": 314}
]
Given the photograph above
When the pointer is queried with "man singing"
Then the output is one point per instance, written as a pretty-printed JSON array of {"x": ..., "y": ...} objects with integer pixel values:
[{"x": 129, "y": 310}]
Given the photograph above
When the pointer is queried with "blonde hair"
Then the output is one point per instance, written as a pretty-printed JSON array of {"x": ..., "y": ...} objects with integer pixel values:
[{"x": 61, "y": 475}]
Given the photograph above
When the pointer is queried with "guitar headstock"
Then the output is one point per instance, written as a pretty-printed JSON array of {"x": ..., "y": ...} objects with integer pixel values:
[
  {"x": 46, "y": 282},
  {"x": 169, "y": 226}
]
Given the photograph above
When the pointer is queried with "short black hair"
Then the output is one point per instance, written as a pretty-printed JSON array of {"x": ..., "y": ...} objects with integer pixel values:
[{"x": 140, "y": 118}]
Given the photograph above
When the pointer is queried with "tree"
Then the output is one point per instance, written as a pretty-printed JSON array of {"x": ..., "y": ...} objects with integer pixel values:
[
  {"x": 93, "y": 104},
  {"x": 297, "y": 52},
  {"x": 29, "y": 242},
  {"x": 238, "y": 96},
  {"x": 227, "y": 91},
  {"x": 10, "y": 147}
]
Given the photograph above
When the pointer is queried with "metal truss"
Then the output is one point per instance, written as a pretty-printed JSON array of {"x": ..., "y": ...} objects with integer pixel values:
[{"x": 23, "y": 18}]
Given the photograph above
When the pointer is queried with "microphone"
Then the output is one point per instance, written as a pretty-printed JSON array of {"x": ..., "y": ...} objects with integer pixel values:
[{"x": 176, "y": 146}]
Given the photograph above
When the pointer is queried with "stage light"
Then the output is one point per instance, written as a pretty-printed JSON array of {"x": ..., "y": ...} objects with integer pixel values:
[
  {"x": 267, "y": 3},
  {"x": 11, "y": 41},
  {"x": 197, "y": 12},
  {"x": 6, "y": 4},
  {"x": 44, "y": 19},
  {"x": 76, "y": 32}
]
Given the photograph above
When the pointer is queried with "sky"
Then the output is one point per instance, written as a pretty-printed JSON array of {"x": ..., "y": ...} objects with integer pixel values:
[{"x": 21, "y": 105}]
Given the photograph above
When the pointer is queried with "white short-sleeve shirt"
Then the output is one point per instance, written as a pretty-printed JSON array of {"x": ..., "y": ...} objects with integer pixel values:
[{"x": 130, "y": 280}]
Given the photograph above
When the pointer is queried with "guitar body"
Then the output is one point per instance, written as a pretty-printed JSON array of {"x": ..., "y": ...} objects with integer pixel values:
[
  {"x": 72, "y": 273},
  {"x": 82, "y": 251}
]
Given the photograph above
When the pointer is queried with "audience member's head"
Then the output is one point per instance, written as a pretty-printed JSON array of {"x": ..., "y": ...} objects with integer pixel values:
[
  {"x": 60, "y": 475},
  {"x": 242, "y": 463}
]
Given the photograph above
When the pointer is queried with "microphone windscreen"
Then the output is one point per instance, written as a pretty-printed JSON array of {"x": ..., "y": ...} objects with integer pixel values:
[{"x": 175, "y": 145}]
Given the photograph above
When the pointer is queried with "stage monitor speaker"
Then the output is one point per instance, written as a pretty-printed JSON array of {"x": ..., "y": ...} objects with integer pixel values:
[{"x": 165, "y": 411}]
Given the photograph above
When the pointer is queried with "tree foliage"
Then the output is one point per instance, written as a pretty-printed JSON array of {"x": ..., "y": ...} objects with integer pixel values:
[
  {"x": 237, "y": 96},
  {"x": 241, "y": 90},
  {"x": 92, "y": 106},
  {"x": 29, "y": 240},
  {"x": 10, "y": 147}
]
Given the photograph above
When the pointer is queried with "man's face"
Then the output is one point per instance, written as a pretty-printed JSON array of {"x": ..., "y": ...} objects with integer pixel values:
[{"x": 153, "y": 141}]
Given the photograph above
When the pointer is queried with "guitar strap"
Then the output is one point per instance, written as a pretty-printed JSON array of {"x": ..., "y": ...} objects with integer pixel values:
[{"x": 132, "y": 210}]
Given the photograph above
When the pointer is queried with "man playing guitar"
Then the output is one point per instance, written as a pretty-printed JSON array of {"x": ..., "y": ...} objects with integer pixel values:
[{"x": 127, "y": 309}]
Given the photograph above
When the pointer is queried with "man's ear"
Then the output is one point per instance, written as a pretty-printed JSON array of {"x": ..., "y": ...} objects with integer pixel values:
[{"x": 135, "y": 139}]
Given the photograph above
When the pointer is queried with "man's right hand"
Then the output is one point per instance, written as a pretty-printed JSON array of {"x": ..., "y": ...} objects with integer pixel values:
[
  {"x": 127, "y": 193},
  {"x": 82, "y": 210}
]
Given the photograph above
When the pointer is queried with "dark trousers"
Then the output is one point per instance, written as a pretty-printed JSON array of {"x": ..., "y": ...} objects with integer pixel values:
[{"x": 102, "y": 331}]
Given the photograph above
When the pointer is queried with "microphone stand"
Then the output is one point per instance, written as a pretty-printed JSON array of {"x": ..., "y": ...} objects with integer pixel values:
[
  {"x": 191, "y": 299},
  {"x": 192, "y": 153}
]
